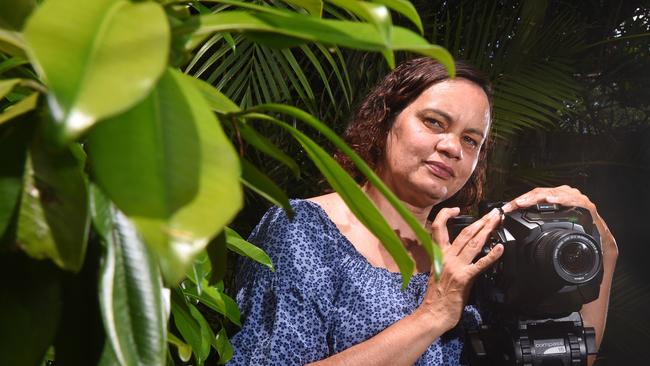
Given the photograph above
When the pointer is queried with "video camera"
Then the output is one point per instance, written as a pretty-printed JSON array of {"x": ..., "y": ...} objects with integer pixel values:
[{"x": 530, "y": 298}]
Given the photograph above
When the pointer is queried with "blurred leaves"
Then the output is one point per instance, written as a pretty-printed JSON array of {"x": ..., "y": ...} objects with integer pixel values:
[
  {"x": 54, "y": 218},
  {"x": 130, "y": 289},
  {"x": 73, "y": 46},
  {"x": 165, "y": 163}
]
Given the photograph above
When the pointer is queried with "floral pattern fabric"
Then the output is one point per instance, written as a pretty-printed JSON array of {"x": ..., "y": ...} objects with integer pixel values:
[{"x": 323, "y": 297}]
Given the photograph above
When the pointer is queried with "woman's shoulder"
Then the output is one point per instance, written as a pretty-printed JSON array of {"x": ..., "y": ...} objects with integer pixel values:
[
  {"x": 302, "y": 234},
  {"x": 335, "y": 208}
]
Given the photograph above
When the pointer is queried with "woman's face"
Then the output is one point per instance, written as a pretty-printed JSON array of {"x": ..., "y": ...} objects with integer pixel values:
[{"x": 434, "y": 143}]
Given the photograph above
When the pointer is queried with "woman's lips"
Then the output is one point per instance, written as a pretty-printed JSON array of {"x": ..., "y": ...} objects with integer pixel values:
[{"x": 440, "y": 170}]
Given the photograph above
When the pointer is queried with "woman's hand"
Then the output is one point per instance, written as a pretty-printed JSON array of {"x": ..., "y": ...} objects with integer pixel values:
[{"x": 446, "y": 298}]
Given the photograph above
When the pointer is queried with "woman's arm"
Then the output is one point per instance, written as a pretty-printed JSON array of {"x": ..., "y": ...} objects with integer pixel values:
[
  {"x": 594, "y": 313},
  {"x": 400, "y": 344},
  {"x": 407, "y": 339}
]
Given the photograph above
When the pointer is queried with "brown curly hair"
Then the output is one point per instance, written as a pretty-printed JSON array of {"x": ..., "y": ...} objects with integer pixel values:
[{"x": 368, "y": 129}]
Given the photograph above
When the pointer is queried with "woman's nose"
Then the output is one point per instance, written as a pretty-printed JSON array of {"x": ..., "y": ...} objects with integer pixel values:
[{"x": 449, "y": 145}]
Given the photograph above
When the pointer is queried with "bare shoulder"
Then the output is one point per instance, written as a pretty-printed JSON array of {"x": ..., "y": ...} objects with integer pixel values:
[{"x": 334, "y": 207}]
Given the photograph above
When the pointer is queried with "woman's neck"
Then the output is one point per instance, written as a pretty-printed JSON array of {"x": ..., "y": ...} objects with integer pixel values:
[{"x": 393, "y": 217}]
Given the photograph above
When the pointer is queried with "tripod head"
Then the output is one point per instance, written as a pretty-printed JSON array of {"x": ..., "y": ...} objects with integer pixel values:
[{"x": 515, "y": 340}]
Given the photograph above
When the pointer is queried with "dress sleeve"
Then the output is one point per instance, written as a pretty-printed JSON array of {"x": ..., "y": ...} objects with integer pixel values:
[{"x": 285, "y": 313}]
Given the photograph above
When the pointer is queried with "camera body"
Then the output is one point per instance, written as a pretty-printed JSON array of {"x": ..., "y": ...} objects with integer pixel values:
[{"x": 551, "y": 264}]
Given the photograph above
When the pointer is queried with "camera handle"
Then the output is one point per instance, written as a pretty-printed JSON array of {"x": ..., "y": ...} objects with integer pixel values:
[{"x": 515, "y": 340}]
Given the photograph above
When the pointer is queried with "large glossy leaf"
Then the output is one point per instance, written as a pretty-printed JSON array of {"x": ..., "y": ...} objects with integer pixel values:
[
  {"x": 356, "y": 35},
  {"x": 130, "y": 295},
  {"x": 54, "y": 218},
  {"x": 30, "y": 299},
  {"x": 169, "y": 167},
  {"x": 98, "y": 57},
  {"x": 354, "y": 197}
]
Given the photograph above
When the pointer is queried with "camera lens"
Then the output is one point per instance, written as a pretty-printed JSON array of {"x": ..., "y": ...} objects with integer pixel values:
[
  {"x": 576, "y": 258},
  {"x": 573, "y": 255}
]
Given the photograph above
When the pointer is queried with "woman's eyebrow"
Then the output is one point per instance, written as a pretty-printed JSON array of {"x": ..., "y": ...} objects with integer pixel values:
[
  {"x": 476, "y": 132},
  {"x": 446, "y": 116}
]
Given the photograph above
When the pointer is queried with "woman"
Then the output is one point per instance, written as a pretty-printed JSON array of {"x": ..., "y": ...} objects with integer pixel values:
[{"x": 335, "y": 296}]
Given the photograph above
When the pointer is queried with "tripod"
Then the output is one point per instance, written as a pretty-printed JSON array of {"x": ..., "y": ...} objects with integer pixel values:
[{"x": 516, "y": 340}]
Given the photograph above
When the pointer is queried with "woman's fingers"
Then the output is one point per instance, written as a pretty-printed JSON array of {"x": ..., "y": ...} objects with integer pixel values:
[
  {"x": 562, "y": 195},
  {"x": 439, "y": 226},
  {"x": 475, "y": 244},
  {"x": 469, "y": 234},
  {"x": 486, "y": 261}
]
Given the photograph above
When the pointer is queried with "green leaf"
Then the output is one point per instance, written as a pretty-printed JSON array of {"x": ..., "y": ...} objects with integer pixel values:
[
  {"x": 54, "y": 218},
  {"x": 405, "y": 8},
  {"x": 23, "y": 106},
  {"x": 207, "y": 335},
  {"x": 200, "y": 269},
  {"x": 374, "y": 14},
  {"x": 7, "y": 85},
  {"x": 130, "y": 290},
  {"x": 355, "y": 35},
  {"x": 223, "y": 346},
  {"x": 218, "y": 255},
  {"x": 12, "y": 43},
  {"x": 13, "y": 152},
  {"x": 99, "y": 57},
  {"x": 216, "y": 300},
  {"x": 11, "y": 63},
  {"x": 313, "y": 7},
  {"x": 30, "y": 299},
  {"x": 261, "y": 184},
  {"x": 242, "y": 247},
  {"x": 108, "y": 357},
  {"x": 190, "y": 326},
  {"x": 263, "y": 144},
  {"x": 184, "y": 349},
  {"x": 353, "y": 196},
  {"x": 14, "y": 12},
  {"x": 168, "y": 166},
  {"x": 215, "y": 99}
]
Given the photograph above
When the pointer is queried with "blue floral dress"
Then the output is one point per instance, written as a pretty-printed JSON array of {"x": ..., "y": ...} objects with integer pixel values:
[{"x": 323, "y": 297}]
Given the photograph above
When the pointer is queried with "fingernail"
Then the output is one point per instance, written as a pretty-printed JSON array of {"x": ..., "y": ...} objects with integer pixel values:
[
  {"x": 521, "y": 200},
  {"x": 551, "y": 199},
  {"x": 494, "y": 213},
  {"x": 507, "y": 207}
]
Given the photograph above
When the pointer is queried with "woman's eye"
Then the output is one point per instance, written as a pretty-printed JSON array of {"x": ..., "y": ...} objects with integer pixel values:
[
  {"x": 470, "y": 141},
  {"x": 433, "y": 123}
]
